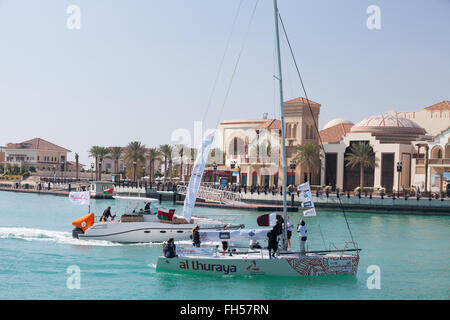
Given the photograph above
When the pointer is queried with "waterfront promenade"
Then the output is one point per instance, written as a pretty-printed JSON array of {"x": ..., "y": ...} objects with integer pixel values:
[{"x": 272, "y": 202}]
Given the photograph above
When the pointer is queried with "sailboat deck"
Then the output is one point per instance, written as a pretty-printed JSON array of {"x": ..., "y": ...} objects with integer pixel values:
[{"x": 254, "y": 255}]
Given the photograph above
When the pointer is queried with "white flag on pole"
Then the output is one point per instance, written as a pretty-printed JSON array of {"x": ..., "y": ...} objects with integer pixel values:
[
  {"x": 80, "y": 198},
  {"x": 310, "y": 213},
  {"x": 196, "y": 177},
  {"x": 307, "y": 199}
]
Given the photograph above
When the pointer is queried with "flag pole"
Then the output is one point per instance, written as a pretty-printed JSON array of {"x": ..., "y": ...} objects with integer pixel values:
[{"x": 283, "y": 165}]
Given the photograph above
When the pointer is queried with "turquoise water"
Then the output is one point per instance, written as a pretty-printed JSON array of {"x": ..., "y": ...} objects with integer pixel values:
[{"x": 36, "y": 248}]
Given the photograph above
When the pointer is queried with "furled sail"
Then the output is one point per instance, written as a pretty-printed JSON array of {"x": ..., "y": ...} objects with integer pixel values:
[{"x": 196, "y": 177}]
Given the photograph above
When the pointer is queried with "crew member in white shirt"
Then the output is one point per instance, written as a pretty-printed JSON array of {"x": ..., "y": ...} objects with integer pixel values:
[{"x": 302, "y": 235}]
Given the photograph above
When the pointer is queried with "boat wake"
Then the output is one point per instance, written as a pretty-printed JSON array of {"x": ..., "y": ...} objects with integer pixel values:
[{"x": 30, "y": 234}]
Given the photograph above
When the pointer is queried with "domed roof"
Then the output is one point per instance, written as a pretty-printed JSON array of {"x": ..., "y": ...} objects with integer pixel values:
[
  {"x": 388, "y": 123},
  {"x": 335, "y": 122}
]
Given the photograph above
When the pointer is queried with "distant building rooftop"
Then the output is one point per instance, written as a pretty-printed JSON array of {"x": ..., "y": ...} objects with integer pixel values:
[
  {"x": 335, "y": 133},
  {"x": 37, "y": 144}
]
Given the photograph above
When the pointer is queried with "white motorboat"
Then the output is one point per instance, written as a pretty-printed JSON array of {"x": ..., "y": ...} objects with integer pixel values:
[{"x": 137, "y": 225}]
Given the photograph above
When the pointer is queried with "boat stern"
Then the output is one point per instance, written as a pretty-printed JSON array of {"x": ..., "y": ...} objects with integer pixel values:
[{"x": 82, "y": 224}]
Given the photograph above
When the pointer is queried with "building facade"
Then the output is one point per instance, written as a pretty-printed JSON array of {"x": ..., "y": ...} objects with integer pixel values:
[
  {"x": 249, "y": 151},
  {"x": 38, "y": 153},
  {"x": 434, "y": 119},
  {"x": 407, "y": 155}
]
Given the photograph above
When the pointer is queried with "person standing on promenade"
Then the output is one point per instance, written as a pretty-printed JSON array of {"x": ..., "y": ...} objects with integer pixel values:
[{"x": 302, "y": 235}]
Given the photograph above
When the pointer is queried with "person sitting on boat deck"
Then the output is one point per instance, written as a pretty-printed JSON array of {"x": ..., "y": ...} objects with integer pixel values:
[
  {"x": 225, "y": 243},
  {"x": 254, "y": 245},
  {"x": 107, "y": 214},
  {"x": 147, "y": 208},
  {"x": 273, "y": 243},
  {"x": 195, "y": 236},
  {"x": 302, "y": 234},
  {"x": 170, "y": 249}
]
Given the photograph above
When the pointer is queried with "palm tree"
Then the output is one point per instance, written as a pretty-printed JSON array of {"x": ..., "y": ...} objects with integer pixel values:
[
  {"x": 153, "y": 154},
  {"x": 308, "y": 155},
  {"x": 102, "y": 153},
  {"x": 77, "y": 157},
  {"x": 94, "y": 152},
  {"x": 361, "y": 154},
  {"x": 179, "y": 151},
  {"x": 115, "y": 154},
  {"x": 166, "y": 151},
  {"x": 135, "y": 154}
]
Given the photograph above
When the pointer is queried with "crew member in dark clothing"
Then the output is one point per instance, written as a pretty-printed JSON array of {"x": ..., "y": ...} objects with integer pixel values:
[
  {"x": 225, "y": 243},
  {"x": 170, "y": 249},
  {"x": 273, "y": 243},
  {"x": 107, "y": 214},
  {"x": 147, "y": 208},
  {"x": 195, "y": 236},
  {"x": 278, "y": 228}
]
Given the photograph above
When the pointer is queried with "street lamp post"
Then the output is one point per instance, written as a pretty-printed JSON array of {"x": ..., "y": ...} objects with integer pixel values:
[
  {"x": 399, "y": 171},
  {"x": 293, "y": 166},
  {"x": 100, "y": 170},
  {"x": 215, "y": 172},
  {"x": 92, "y": 171}
]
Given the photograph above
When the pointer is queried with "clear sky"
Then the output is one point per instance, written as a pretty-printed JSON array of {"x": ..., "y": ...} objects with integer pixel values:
[{"x": 140, "y": 69}]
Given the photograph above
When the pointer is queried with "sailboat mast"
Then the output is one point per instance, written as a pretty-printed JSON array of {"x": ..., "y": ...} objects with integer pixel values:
[{"x": 283, "y": 140}]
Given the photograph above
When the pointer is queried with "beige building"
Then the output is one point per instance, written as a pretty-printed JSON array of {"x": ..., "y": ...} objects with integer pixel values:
[
  {"x": 432, "y": 163},
  {"x": 38, "y": 153},
  {"x": 434, "y": 119},
  {"x": 2, "y": 154},
  {"x": 424, "y": 155},
  {"x": 253, "y": 147}
]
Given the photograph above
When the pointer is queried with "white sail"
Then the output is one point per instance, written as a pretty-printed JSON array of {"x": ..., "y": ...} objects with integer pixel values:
[{"x": 196, "y": 177}]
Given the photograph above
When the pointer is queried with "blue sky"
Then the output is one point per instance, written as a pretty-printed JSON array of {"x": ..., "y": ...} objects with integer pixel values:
[{"x": 139, "y": 69}]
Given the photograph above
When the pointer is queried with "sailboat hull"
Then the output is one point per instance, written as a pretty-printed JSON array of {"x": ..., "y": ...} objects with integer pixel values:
[{"x": 256, "y": 265}]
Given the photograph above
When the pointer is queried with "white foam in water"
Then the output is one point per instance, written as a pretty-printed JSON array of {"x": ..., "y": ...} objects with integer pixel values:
[{"x": 30, "y": 234}]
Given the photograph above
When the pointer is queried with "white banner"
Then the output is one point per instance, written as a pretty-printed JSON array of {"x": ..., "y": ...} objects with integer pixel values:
[
  {"x": 183, "y": 251},
  {"x": 310, "y": 213},
  {"x": 307, "y": 199},
  {"x": 80, "y": 198},
  {"x": 196, "y": 177},
  {"x": 234, "y": 235}
]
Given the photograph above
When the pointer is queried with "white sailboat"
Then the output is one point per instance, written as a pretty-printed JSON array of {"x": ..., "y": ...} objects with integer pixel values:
[{"x": 258, "y": 261}]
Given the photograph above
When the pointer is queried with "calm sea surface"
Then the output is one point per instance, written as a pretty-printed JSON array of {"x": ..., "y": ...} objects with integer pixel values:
[{"x": 36, "y": 248}]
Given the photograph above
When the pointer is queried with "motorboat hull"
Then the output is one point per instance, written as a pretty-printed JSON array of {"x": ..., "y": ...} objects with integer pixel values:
[
  {"x": 258, "y": 265},
  {"x": 137, "y": 232}
]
